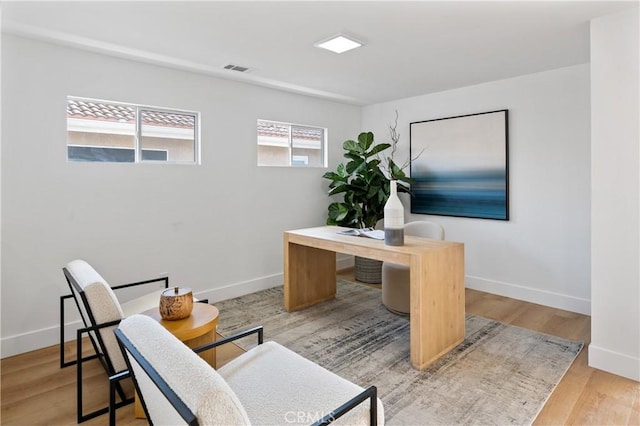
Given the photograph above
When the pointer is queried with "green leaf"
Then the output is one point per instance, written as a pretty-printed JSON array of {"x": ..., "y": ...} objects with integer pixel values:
[
  {"x": 378, "y": 148},
  {"x": 354, "y": 166},
  {"x": 332, "y": 176},
  {"x": 337, "y": 211},
  {"x": 382, "y": 197},
  {"x": 374, "y": 165},
  {"x": 339, "y": 189},
  {"x": 362, "y": 183},
  {"x": 365, "y": 139},
  {"x": 351, "y": 147},
  {"x": 373, "y": 190}
]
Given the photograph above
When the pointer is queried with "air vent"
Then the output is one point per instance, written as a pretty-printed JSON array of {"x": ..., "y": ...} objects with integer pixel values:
[{"x": 236, "y": 68}]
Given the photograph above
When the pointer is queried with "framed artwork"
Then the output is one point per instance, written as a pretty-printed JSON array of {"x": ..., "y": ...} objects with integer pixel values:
[{"x": 461, "y": 167}]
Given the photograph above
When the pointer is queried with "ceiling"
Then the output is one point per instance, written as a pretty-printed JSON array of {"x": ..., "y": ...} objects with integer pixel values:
[{"x": 411, "y": 48}]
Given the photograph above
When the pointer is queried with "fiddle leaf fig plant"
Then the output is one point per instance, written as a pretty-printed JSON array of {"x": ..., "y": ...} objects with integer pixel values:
[{"x": 364, "y": 184}]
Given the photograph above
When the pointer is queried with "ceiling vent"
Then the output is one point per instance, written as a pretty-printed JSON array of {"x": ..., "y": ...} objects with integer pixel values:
[{"x": 236, "y": 68}]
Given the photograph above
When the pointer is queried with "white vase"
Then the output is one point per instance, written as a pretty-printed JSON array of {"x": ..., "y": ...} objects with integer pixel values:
[{"x": 393, "y": 218}]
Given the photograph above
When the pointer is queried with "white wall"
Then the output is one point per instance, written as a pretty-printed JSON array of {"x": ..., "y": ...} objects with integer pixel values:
[
  {"x": 216, "y": 228},
  {"x": 615, "y": 196},
  {"x": 541, "y": 254}
]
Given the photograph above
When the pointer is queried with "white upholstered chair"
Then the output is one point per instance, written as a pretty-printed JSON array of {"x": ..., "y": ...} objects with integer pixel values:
[
  {"x": 267, "y": 385},
  {"x": 395, "y": 278},
  {"x": 101, "y": 311}
]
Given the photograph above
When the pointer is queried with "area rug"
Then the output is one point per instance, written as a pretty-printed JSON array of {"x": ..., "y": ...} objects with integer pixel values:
[{"x": 499, "y": 375}]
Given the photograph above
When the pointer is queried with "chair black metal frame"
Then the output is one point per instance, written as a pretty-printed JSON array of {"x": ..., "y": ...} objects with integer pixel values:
[
  {"x": 91, "y": 329},
  {"x": 370, "y": 393}
]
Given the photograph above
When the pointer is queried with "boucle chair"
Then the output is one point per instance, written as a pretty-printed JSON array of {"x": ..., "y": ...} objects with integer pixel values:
[
  {"x": 267, "y": 385},
  {"x": 396, "y": 287},
  {"x": 100, "y": 312}
]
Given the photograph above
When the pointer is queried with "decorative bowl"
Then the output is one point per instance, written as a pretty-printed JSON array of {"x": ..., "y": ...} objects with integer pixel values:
[{"x": 176, "y": 303}]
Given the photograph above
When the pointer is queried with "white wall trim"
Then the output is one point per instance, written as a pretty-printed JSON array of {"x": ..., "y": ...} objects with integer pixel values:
[
  {"x": 246, "y": 287},
  {"x": 17, "y": 344},
  {"x": 241, "y": 288},
  {"x": 344, "y": 262},
  {"x": 529, "y": 294},
  {"x": 21, "y": 343},
  {"x": 614, "y": 362},
  {"x": 25, "y": 342}
]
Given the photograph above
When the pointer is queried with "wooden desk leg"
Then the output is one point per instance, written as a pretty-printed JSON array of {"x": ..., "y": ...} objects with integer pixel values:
[
  {"x": 309, "y": 276},
  {"x": 437, "y": 304}
]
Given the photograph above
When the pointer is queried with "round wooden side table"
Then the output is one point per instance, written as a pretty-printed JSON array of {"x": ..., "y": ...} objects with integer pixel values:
[{"x": 196, "y": 330}]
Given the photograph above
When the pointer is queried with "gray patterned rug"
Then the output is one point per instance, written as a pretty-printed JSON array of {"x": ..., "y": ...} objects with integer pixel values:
[{"x": 499, "y": 375}]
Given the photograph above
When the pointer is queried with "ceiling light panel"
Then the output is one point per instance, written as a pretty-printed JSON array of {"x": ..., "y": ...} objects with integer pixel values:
[{"x": 338, "y": 44}]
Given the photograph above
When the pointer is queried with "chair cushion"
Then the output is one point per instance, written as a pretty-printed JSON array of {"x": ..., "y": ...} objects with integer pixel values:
[
  {"x": 199, "y": 386},
  {"x": 278, "y": 386},
  {"x": 396, "y": 287},
  {"x": 103, "y": 304}
]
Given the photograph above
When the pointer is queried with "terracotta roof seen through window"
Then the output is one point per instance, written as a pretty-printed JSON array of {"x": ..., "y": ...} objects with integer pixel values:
[
  {"x": 266, "y": 128},
  {"x": 99, "y": 111}
]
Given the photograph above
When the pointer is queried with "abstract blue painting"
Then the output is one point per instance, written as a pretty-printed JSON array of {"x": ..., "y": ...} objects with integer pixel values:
[{"x": 460, "y": 166}]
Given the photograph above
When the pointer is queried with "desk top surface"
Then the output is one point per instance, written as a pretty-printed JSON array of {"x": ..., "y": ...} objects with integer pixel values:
[
  {"x": 329, "y": 238},
  {"x": 332, "y": 233}
]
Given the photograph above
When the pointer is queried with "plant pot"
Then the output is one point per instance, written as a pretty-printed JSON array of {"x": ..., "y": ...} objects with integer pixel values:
[{"x": 368, "y": 270}]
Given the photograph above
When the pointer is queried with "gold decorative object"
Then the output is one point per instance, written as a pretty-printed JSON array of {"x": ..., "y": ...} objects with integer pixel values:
[{"x": 176, "y": 303}]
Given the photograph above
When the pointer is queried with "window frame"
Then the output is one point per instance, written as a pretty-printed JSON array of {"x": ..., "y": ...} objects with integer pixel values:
[
  {"x": 323, "y": 145},
  {"x": 138, "y": 137}
]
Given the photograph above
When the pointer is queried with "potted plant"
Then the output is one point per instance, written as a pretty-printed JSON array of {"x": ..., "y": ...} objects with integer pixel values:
[{"x": 364, "y": 183}]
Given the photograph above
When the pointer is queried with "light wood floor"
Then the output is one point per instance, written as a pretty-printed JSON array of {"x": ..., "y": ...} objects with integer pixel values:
[{"x": 35, "y": 391}]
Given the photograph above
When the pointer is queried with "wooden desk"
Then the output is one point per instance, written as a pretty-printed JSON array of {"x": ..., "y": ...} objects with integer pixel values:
[
  {"x": 196, "y": 330},
  {"x": 437, "y": 282}
]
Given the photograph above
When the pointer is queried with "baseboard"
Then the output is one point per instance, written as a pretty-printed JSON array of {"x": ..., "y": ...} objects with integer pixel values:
[
  {"x": 614, "y": 362},
  {"x": 38, "y": 339},
  {"x": 42, "y": 338},
  {"x": 239, "y": 289},
  {"x": 528, "y": 294},
  {"x": 344, "y": 262},
  {"x": 18, "y": 344},
  {"x": 514, "y": 291}
]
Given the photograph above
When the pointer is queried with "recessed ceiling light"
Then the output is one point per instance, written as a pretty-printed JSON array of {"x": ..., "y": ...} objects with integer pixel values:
[{"x": 338, "y": 44}]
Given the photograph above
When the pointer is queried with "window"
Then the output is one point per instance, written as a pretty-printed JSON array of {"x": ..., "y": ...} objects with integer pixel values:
[
  {"x": 114, "y": 132},
  {"x": 291, "y": 145}
]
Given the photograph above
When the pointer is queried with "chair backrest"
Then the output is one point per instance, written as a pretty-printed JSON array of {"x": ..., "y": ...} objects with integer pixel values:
[
  {"x": 176, "y": 385},
  {"x": 424, "y": 229},
  {"x": 98, "y": 305}
]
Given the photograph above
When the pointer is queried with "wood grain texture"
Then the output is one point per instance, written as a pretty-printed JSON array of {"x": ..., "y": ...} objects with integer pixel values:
[
  {"x": 436, "y": 274},
  {"x": 176, "y": 303},
  {"x": 585, "y": 395},
  {"x": 436, "y": 303},
  {"x": 500, "y": 374},
  {"x": 35, "y": 391},
  {"x": 302, "y": 264},
  {"x": 203, "y": 320}
]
